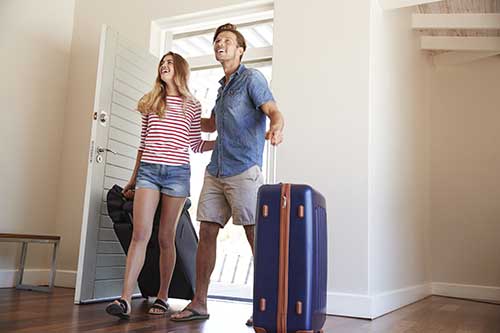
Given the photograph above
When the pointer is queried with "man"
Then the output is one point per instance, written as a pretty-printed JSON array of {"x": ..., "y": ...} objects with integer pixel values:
[{"x": 234, "y": 174}]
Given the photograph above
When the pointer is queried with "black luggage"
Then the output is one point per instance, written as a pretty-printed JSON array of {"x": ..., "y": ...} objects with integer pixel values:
[{"x": 186, "y": 243}]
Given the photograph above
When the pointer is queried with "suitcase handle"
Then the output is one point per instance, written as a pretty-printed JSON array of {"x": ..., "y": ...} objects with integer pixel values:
[{"x": 271, "y": 163}]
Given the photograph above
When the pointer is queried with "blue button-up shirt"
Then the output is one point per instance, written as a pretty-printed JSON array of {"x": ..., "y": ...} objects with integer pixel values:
[{"x": 241, "y": 125}]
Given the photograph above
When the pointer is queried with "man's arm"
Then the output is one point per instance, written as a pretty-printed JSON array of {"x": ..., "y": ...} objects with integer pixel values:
[
  {"x": 208, "y": 124},
  {"x": 275, "y": 133}
]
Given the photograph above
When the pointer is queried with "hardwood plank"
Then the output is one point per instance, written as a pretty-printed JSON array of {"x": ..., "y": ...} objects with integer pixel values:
[{"x": 39, "y": 312}]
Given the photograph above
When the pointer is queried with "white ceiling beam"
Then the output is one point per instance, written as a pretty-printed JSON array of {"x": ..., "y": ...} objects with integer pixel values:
[
  {"x": 460, "y": 43},
  {"x": 461, "y": 57},
  {"x": 394, "y": 4},
  {"x": 240, "y": 13},
  {"x": 456, "y": 21}
]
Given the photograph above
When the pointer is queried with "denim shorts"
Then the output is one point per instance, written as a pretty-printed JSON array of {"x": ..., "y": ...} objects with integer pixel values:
[{"x": 172, "y": 180}]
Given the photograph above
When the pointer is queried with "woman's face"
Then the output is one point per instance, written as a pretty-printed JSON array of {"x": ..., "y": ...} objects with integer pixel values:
[{"x": 167, "y": 68}]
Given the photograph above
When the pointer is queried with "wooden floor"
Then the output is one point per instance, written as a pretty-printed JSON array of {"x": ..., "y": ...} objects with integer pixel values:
[{"x": 25, "y": 311}]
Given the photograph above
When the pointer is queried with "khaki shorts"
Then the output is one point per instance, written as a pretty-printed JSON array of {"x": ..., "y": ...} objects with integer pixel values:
[{"x": 234, "y": 196}]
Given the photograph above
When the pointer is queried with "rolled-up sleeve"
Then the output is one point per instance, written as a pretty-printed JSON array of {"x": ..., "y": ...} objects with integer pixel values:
[{"x": 258, "y": 89}]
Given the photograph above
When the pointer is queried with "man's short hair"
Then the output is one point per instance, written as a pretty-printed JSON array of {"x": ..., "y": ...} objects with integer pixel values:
[{"x": 232, "y": 28}]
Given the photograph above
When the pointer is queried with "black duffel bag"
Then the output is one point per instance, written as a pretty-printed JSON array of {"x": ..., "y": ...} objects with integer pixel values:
[{"x": 186, "y": 243}]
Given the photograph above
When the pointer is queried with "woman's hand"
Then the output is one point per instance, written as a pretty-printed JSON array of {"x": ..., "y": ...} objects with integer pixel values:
[{"x": 129, "y": 190}]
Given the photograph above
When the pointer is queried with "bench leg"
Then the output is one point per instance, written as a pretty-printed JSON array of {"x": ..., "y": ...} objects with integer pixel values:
[
  {"x": 21, "y": 264},
  {"x": 52, "y": 276}
]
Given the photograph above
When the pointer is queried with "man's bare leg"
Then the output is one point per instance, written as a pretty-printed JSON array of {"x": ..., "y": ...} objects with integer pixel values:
[
  {"x": 205, "y": 263},
  {"x": 250, "y": 232}
]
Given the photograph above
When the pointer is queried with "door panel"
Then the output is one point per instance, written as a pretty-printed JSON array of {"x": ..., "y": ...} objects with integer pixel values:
[{"x": 125, "y": 74}]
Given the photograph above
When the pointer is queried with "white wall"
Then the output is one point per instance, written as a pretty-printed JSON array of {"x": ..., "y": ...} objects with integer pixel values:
[
  {"x": 465, "y": 178},
  {"x": 399, "y": 158},
  {"x": 132, "y": 19},
  {"x": 320, "y": 80},
  {"x": 35, "y": 39}
]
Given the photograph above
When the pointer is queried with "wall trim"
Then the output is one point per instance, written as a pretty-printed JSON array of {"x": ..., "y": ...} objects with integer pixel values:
[
  {"x": 386, "y": 302},
  {"x": 371, "y": 307},
  {"x": 350, "y": 305},
  {"x": 64, "y": 278},
  {"x": 467, "y": 291}
]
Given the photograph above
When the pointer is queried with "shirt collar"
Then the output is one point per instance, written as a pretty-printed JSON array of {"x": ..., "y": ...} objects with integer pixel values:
[{"x": 241, "y": 69}]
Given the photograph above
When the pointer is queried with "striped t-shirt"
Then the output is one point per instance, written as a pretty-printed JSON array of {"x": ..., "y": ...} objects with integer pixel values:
[{"x": 167, "y": 140}]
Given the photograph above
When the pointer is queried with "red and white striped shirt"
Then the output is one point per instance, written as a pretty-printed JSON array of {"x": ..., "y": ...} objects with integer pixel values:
[{"x": 167, "y": 140}]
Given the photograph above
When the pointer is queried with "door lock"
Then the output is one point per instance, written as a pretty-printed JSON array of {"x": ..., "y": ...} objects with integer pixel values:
[{"x": 103, "y": 118}]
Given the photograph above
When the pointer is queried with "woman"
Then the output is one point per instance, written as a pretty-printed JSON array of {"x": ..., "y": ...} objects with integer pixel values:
[{"x": 170, "y": 126}]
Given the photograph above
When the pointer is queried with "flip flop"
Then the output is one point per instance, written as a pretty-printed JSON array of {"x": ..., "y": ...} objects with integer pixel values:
[
  {"x": 160, "y": 305},
  {"x": 120, "y": 309},
  {"x": 195, "y": 315},
  {"x": 249, "y": 322}
]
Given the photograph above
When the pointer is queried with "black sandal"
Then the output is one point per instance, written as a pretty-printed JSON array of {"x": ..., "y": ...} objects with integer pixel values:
[
  {"x": 161, "y": 307},
  {"x": 119, "y": 308},
  {"x": 195, "y": 315}
]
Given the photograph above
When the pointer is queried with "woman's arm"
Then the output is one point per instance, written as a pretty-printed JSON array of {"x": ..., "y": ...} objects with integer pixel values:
[{"x": 128, "y": 190}]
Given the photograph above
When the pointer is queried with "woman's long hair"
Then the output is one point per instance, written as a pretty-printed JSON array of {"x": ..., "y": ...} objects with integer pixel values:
[{"x": 155, "y": 101}]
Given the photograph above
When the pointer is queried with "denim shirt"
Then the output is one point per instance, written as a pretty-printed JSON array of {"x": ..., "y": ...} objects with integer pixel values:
[{"x": 241, "y": 125}]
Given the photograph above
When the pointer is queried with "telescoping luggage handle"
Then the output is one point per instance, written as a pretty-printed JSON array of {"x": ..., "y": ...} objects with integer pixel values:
[{"x": 271, "y": 163}]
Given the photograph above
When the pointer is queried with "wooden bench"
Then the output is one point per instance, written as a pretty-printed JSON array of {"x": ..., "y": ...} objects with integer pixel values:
[{"x": 25, "y": 239}]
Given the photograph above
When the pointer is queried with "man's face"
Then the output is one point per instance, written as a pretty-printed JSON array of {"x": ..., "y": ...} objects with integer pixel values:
[{"x": 226, "y": 47}]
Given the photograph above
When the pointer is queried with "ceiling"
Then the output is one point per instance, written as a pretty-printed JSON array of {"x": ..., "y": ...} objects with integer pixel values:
[{"x": 461, "y": 7}]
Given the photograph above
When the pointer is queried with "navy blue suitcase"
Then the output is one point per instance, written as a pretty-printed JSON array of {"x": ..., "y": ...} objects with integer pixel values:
[{"x": 290, "y": 260}]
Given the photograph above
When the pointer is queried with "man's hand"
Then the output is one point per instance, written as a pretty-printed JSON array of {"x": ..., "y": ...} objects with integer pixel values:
[
  {"x": 275, "y": 133},
  {"x": 208, "y": 124}
]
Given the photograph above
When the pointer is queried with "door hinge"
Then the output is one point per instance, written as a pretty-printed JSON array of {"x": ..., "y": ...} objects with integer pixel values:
[{"x": 91, "y": 153}]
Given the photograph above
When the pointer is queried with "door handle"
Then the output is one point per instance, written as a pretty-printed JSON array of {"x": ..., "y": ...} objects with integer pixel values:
[{"x": 101, "y": 150}]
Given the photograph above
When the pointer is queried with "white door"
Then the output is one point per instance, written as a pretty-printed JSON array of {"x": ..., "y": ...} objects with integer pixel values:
[{"x": 125, "y": 74}]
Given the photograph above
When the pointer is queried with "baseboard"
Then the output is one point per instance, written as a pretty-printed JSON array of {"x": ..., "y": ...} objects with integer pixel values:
[
  {"x": 350, "y": 305},
  {"x": 485, "y": 293},
  {"x": 64, "y": 278},
  {"x": 384, "y": 303},
  {"x": 371, "y": 307}
]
